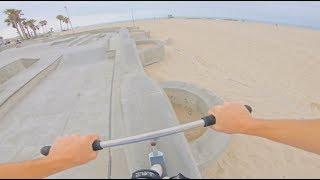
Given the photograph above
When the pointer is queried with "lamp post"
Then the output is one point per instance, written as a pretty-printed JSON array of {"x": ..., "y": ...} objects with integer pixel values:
[
  {"x": 69, "y": 17},
  {"x": 132, "y": 18}
]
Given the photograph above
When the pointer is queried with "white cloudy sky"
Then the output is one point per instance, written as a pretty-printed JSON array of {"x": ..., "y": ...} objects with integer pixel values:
[{"x": 92, "y": 12}]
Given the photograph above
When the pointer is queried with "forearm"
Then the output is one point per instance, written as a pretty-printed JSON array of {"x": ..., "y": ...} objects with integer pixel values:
[
  {"x": 38, "y": 168},
  {"x": 66, "y": 152},
  {"x": 304, "y": 134}
]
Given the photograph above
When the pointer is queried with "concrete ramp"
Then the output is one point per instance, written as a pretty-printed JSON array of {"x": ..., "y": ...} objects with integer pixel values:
[
  {"x": 144, "y": 108},
  {"x": 78, "y": 40},
  {"x": 71, "y": 99},
  {"x": 19, "y": 84},
  {"x": 14, "y": 68},
  {"x": 64, "y": 41}
]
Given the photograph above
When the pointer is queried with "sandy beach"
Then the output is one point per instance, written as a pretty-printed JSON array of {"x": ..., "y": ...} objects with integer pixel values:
[{"x": 273, "y": 68}]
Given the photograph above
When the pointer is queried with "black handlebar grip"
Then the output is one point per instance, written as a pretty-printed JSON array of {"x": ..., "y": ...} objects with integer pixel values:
[
  {"x": 249, "y": 108},
  {"x": 211, "y": 120},
  {"x": 95, "y": 146},
  {"x": 45, "y": 150}
]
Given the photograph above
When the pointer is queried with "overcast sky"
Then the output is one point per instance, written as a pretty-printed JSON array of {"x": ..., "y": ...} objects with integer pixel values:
[{"x": 92, "y": 12}]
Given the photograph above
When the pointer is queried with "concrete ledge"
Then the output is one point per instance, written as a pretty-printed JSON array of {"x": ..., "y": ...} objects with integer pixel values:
[
  {"x": 66, "y": 40},
  {"x": 78, "y": 40},
  {"x": 139, "y": 35},
  {"x": 89, "y": 39},
  {"x": 210, "y": 144},
  {"x": 2, "y": 48},
  {"x": 101, "y": 35},
  {"x": 85, "y": 32},
  {"x": 150, "y": 51},
  {"x": 133, "y": 28},
  {"x": 14, "y": 68},
  {"x": 111, "y": 54},
  {"x": 18, "y": 86}
]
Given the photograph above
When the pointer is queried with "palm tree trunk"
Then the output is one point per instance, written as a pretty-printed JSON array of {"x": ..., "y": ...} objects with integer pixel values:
[
  {"x": 35, "y": 32},
  {"x": 28, "y": 32},
  {"x": 19, "y": 32},
  {"x": 22, "y": 29}
]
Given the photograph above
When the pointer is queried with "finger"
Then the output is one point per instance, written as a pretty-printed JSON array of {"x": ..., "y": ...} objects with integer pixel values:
[
  {"x": 58, "y": 138},
  {"x": 216, "y": 127},
  {"x": 217, "y": 109},
  {"x": 67, "y": 137},
  {"x": 92, "y": 137},
  {"x": 213, "y": 109},
  {"x": 74, "y": 136}
]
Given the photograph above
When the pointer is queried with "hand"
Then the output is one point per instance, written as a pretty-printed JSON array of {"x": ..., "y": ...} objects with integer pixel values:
[
  {"x": 231, "y": 118},
  {"x": 73, "y": 150}
]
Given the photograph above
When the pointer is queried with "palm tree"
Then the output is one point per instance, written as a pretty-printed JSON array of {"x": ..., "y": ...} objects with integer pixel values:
[
  {"x": 25, "y": 24},
  {"x": 31, "y": 24},
  {"x": 37, "y": 27},
  {"x": 15, "y": 16},
  {"x": 66, "y": 20},
  {"x": 12, "y": 23},
  {"x": 43, "y": 23},
  {"x": 60, "y": 18}
]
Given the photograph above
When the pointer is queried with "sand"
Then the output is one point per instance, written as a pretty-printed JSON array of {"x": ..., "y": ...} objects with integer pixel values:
[{"x": 273, "y": 68}]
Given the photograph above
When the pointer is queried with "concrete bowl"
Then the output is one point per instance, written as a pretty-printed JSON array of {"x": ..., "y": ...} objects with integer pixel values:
[{"x": 191, "y": 102}]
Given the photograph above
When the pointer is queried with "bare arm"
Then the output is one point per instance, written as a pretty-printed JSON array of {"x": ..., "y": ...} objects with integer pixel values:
[
  {"x": 38, "y": 168},
  {"x": 66, "y": 152},
  {"x": 233, "y": 118}
]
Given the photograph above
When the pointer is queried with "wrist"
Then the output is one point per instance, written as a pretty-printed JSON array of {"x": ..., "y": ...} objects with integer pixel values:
[
  {"x": 58, "y": 163},
  {"x": 253, "y": 127}
]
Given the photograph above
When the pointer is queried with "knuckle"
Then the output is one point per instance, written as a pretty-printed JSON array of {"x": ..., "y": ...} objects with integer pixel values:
[
  {"x": 93, "y": 137},
  {"x": 58, "y": 138},
  {"x": 217, "y": 108}
]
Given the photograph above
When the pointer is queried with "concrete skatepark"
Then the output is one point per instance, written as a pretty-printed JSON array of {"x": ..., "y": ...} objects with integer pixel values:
[{"x": 94, "y": 82}]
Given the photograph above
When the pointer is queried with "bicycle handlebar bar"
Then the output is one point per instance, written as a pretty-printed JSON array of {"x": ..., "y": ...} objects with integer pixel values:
[{"x": 99, "y": 145}]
